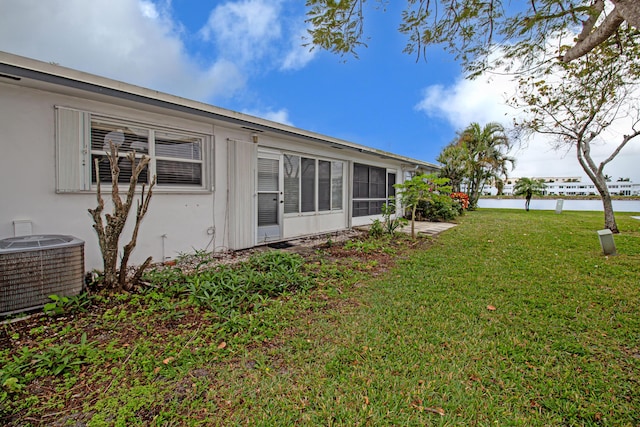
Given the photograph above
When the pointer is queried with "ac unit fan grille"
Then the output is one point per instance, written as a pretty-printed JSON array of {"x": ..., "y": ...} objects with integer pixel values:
[{"x": 28, "y": 278}]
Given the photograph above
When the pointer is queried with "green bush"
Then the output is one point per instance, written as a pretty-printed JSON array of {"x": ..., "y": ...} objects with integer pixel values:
[
  {"x": 376, "y": 230},
  {"x": 440, "y": 208}
]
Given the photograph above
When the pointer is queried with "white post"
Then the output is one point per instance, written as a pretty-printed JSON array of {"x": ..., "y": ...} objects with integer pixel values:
[
  {"x": 606, "y": 241},
  {"x": 559, "y": 204}
]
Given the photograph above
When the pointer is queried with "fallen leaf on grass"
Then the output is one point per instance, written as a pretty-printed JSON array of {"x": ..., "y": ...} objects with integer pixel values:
[
  {"x": 416, "y": 404},
  {"x": 168, "y": 360},
  {"x": 222, "y": 345},
  {"x": 491, "y": 308},
  {"x": 366, "y": 400},
  {"x": 439, "y": 411}
]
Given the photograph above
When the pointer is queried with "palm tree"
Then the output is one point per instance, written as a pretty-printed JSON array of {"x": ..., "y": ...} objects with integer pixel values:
[
  {"x": 499, "y": 183},
  {"x": 486, "y": 149},
  {"x": 454, "y": 165},
  {"x": 528, "y": 187}
]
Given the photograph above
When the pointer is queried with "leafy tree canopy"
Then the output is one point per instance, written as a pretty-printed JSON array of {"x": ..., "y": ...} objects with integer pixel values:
[
  {"x": 478, "y": 155},
  {"x": 472, "y": 29},
  {"x": 583, "y": 103}
]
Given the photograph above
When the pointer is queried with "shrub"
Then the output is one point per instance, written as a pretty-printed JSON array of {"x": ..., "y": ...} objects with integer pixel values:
[
  {"x": 376, "y": 230},
  {"x": 439, "y": 208},
  {"x": 462, "y": 199},
  {"x": 390, "y": 223}
]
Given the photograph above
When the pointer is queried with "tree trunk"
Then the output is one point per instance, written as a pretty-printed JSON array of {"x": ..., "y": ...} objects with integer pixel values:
[
  {"x": 596, "y": 174},
  {"x": 473, "y": 199},
  {"x": 109, "y": 233},
  {"x": 110, "y": 268},
  {"x": 609, "y": 216},
  {"x": 413, "y": 220}
]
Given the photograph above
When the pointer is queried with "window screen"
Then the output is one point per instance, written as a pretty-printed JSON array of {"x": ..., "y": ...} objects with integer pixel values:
[
  {"x": 312, "y": 185},
  {"x": 324, "y": 185},
  {"x": 360, "y": 181},
  {"x": 308, "y": 185},
  {"x": 336, "y": 185},
  {"x": 291, "y": 183},
  {"x": 371, "y": 188}
]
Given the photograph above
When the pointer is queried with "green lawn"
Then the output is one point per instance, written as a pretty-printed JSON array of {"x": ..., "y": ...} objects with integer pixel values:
[{"x": 510, "y": 318}]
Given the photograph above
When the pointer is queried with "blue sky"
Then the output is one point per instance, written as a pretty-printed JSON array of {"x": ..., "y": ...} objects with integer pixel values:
[{"x": 247, "y": 56}]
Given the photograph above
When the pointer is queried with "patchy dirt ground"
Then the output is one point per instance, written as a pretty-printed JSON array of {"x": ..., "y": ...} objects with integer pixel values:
[{"x": 302, "y": 246}]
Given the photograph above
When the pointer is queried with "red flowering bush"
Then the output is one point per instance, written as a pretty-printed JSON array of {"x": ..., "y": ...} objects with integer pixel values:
[{"x": 462, "y": 198}]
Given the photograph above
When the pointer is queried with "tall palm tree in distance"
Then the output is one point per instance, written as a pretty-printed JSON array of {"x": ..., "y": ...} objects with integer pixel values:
[
  {"x": 527, "y": 187},
  {"x": 486, "y": 156},
  {"x": 454, "y": 165}
]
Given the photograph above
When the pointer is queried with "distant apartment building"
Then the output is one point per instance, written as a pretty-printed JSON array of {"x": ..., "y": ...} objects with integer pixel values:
[{"x": 570, "y": 186}]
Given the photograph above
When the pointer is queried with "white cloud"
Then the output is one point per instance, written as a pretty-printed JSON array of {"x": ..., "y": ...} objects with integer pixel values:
[
  {"x": 279, "y": 116},
  {"x": 298, "y": 56},
  {"x": 466, "y": 101},
  {"x": 149, "y": 9},
  {"x": 141, "y": 42},
  {"x": 130, "y": 40},
  {"x": 483, "y": 100},
  {"x": 245, "y": 30}
]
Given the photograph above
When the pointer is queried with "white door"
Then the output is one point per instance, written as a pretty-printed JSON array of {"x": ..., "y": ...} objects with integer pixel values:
[{"x": 270, "y": 198}]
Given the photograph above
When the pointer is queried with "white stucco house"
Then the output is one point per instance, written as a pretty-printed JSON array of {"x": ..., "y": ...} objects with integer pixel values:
[{"x": 225, "y": 180}]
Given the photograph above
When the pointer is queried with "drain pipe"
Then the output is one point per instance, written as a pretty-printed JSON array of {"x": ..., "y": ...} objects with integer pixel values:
[{"x": 164, "y": 237}]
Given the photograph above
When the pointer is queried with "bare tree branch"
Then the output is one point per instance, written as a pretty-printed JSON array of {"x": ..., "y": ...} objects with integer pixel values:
[{"x": 109, "y": 233}]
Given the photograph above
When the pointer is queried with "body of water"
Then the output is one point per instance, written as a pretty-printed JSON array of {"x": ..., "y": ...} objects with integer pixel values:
[{"x": 568, "y": 204}]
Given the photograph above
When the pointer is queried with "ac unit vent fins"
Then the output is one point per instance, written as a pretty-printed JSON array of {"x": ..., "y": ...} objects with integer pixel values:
[{"x": 34, "y": 267}]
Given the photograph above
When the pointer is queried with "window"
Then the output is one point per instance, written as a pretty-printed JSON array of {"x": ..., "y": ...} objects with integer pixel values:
[
  {"x": 176, "y": 157},
  {"x": 324, "y": 185},
  {"x": 372, "y": 186},
  {"x": 336, "y": 185},
  {"x": 312, "y": 185},
  {"x": 391, "y": 181},
  {"x": 125, "y": 139},
  {"x": 308, "y": 199},
  {"x": 291, "y": 184}
]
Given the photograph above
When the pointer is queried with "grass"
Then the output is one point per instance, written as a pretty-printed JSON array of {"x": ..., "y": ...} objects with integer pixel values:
[{"x": 511, "y": 318}]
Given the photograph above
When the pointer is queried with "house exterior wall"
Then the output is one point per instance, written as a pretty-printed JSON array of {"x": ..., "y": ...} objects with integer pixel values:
[
  {"x": 179, "y": 222},
  {"x": 219, "y": 216}
]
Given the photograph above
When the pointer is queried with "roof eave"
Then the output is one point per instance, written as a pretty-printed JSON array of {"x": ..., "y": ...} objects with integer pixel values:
[{"x": 14, "y": 67}]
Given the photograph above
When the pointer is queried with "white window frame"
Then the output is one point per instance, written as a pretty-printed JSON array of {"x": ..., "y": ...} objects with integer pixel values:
[
  {"x": 74, "y": 152},
  {"x": 384, "y": 200},
  {"x": 316, "y": 210}
]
